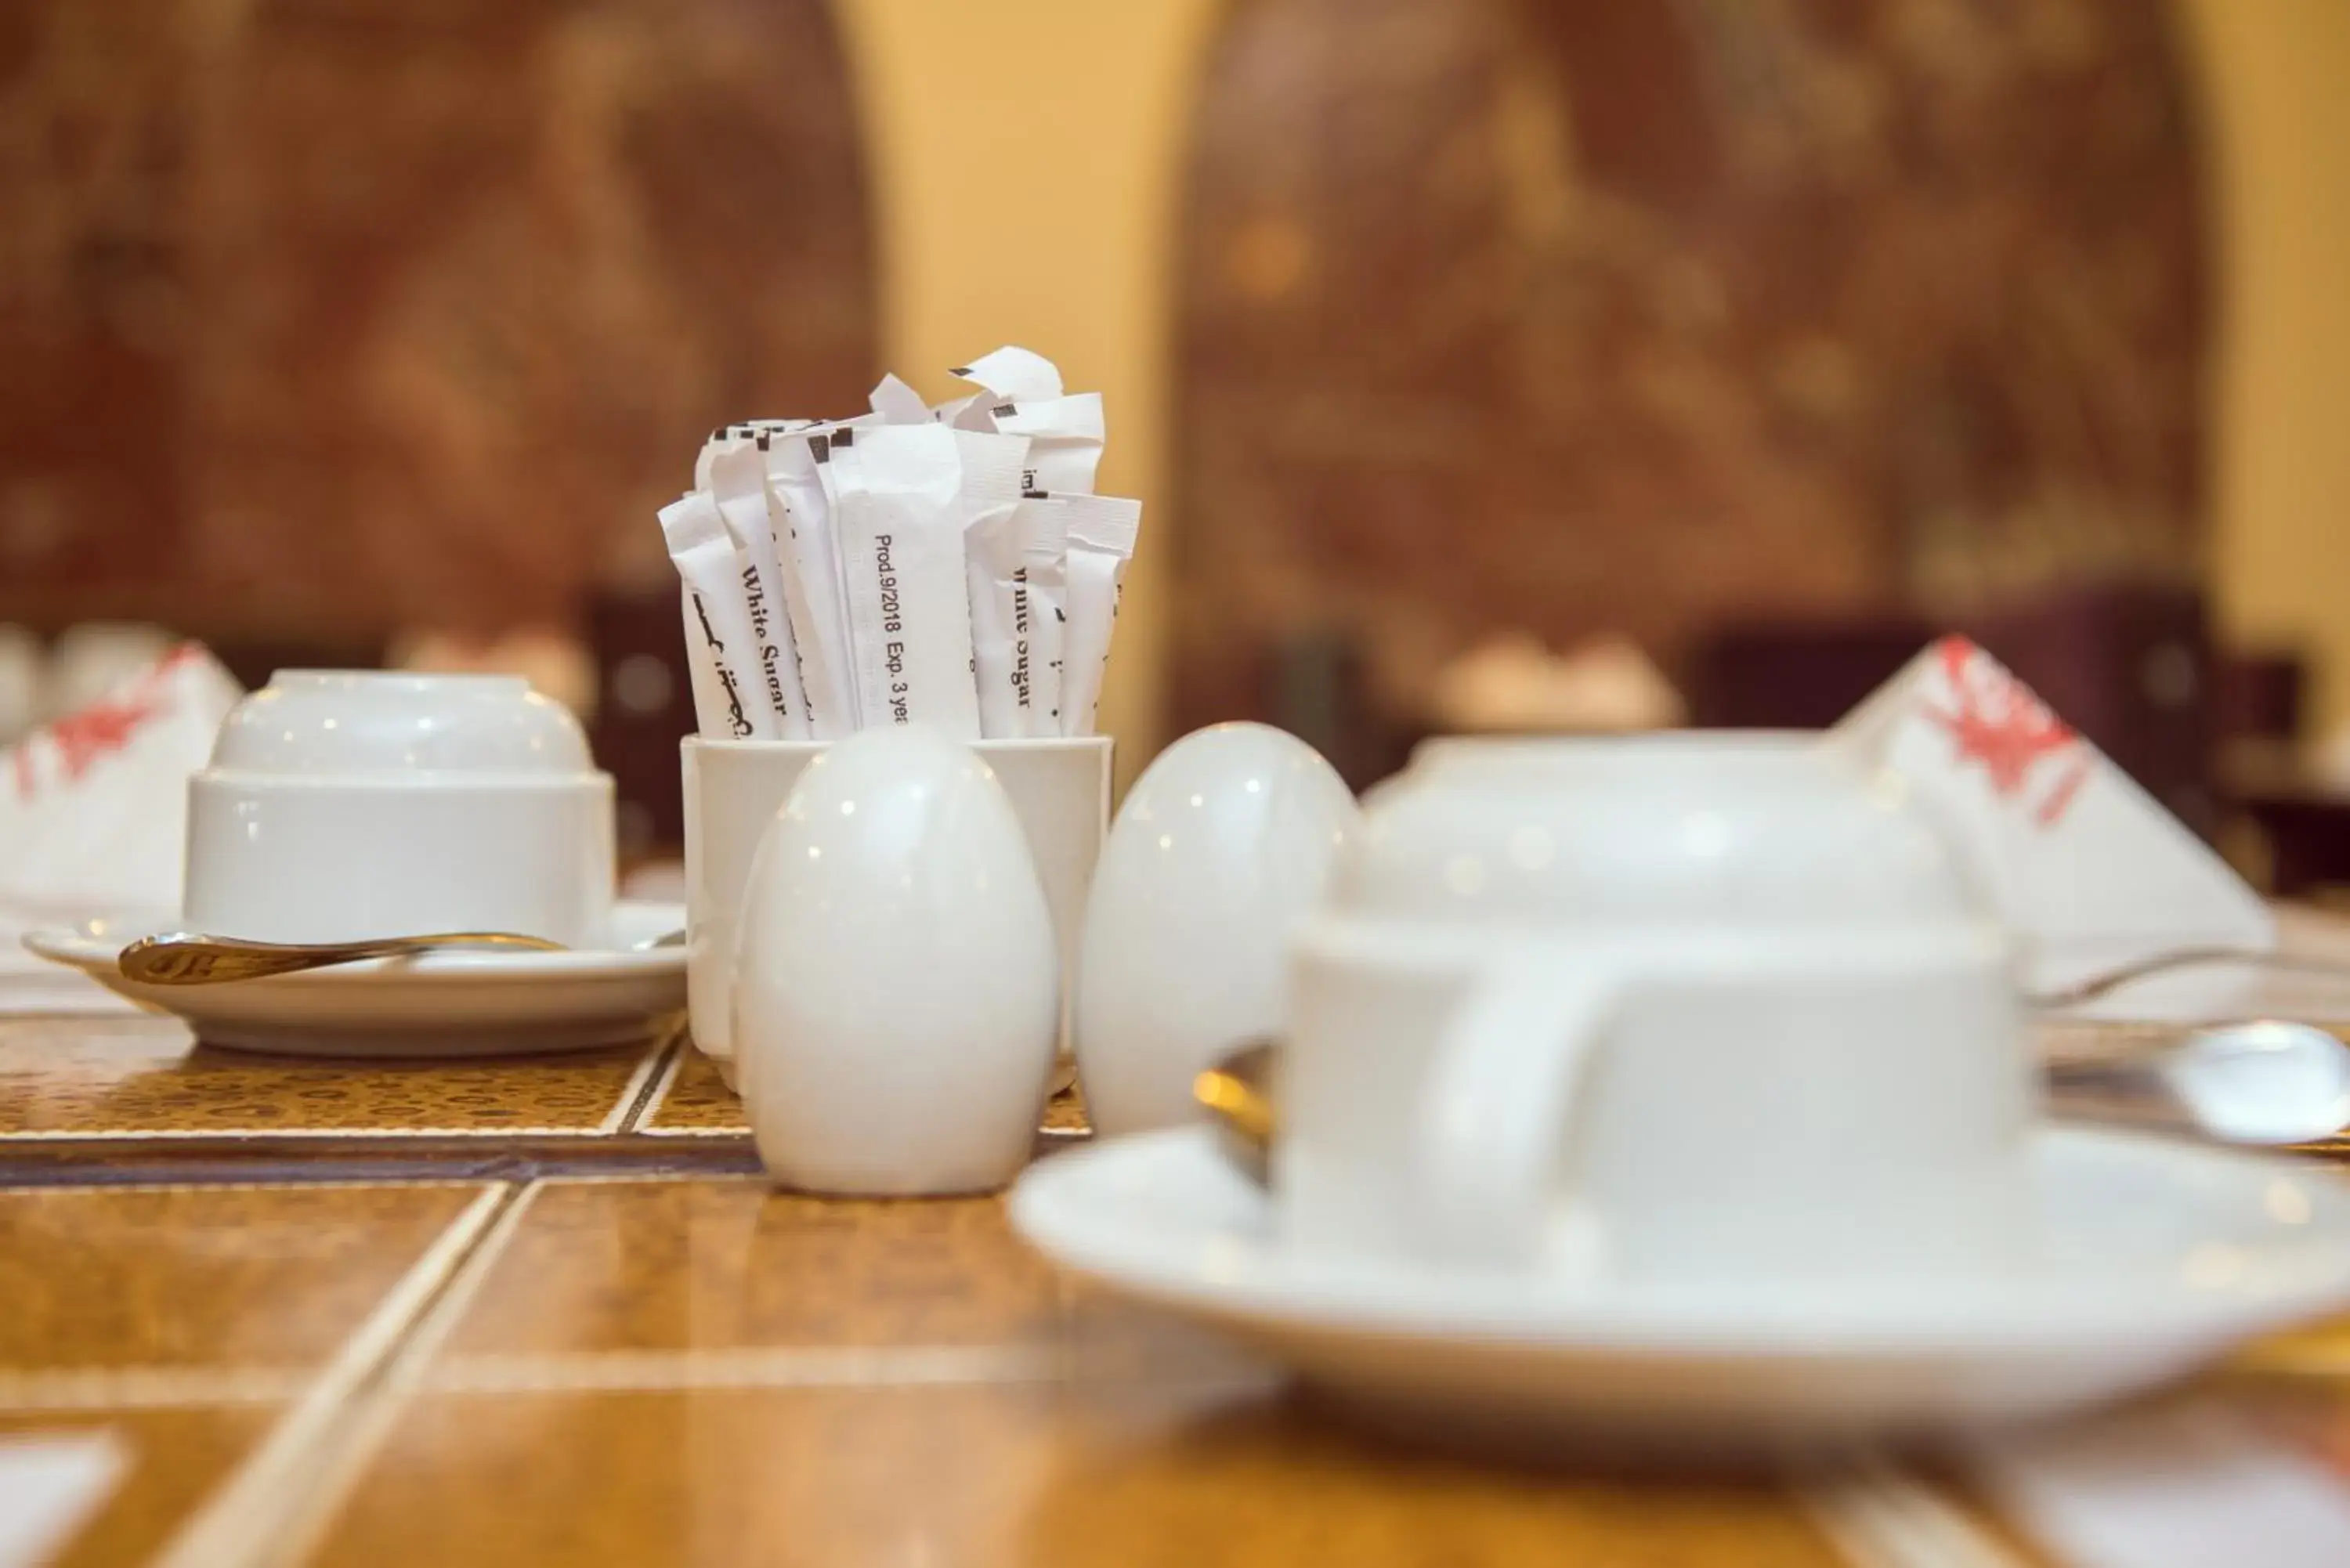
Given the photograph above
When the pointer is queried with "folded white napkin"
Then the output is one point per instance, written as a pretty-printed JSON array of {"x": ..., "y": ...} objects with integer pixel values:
[
  {"x": 93, "y": 810},
  {"x": 2085, "y": 869}
]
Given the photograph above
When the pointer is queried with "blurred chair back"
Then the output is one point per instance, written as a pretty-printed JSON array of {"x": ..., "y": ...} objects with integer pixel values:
[
  {"x": 253, "y": 660},
  {"x": 2260, "y": 697},
  {"x": 1796, "y": 675},
  {"x": 644, "y": 708},
  {"x": 2130, "y": 666}
]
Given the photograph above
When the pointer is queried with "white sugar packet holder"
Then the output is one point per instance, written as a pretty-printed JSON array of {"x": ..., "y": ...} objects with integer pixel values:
[
  {"x": 2084, "y": 868},
  {"x": 814, "y": 561}
]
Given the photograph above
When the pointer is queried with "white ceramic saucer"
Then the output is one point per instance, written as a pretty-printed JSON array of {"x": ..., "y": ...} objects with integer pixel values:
[
  {"x": 453, "y": 1004},
  {"x": 2153, "y": 1257}
]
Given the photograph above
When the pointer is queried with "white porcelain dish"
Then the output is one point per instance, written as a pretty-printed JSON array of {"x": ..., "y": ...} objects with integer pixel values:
[
  {"x": 2154, "y": 1258},
  {"x": 453, "y": 1003}
]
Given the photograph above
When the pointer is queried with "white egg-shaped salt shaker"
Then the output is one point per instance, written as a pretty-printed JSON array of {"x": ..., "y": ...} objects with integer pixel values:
[
  {"x": 1222, "y": 847},
  {"x": 897, "y": 988}
]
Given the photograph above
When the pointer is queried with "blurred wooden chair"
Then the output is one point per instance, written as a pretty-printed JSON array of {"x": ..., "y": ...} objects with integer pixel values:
[
  {"x": 2260, "y": 697},
  {"x": 644, "y": 707},
  {"x": 1803, "y": 675},
  {"x": 2128, "y": 666},
  {"x": 253, "y": 660}
]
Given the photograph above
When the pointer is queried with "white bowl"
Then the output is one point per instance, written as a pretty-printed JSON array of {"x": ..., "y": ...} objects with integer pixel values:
[{"x": 343, "y": 805}]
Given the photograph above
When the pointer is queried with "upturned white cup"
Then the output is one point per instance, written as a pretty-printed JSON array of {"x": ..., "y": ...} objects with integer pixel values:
[
  {"x": 1698, "y": 1006},
  {"x": 343, "y": 805},
  {"x": 1059, "y": 790}
]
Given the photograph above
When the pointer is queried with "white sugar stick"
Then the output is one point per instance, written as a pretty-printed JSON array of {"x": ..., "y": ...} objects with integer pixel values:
[
  {"x": 899, "y": 517},
  {"x": 713, "y": 709},
  {"x": 1013, "y": 374},
  {"x": 743, "y": 430},
  {"x": 708, "y": 564},
  {"x": 899, "y": 404},
  {"x": 1025, "y": 396},
  {"x": 1044, "y": 553},
  {"x": 997, "y": 578},
  {"x": 1065, "y": 439},
  {"x": 810, "y": 557},
  {"x": 1101, "y": 541},
  {"x": 738, "y": 477}
]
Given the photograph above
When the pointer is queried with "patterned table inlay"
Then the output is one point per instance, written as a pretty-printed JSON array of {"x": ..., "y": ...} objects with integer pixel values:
[
  {"x": 696, "y": 1103},
  {"x": 145, "y": 1077}
]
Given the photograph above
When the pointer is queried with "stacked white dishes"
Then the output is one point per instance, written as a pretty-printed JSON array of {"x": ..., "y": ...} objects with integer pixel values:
[{"x": 346, "y": 804}]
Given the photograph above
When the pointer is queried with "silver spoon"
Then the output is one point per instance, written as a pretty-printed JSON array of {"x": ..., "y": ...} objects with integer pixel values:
[
  {"x": 2266, "y": 1083},
  {"x": 188, "y": 958},
  {"x": 2263, "y": 1084},
  {"x": 185, "y": 957}
]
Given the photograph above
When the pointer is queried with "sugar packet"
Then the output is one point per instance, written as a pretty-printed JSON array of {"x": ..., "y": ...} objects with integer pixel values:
[
  {"x": 1043, "y": 534},
  {"x": 1003, "y": 536},
  {"x": 896, "y": 403},
  {"x": 996, "y": 570},
  {"x": 718, "y": 630},
  {"x": 738, "y": 480},
  {"x": 809, "y": 554},
  {"x": 1101, "y": 534},
  {"x": 1012, "y": 374},
  {"x": 1065, "y": 439},
  {"x": 899, "y": 491},
  {"x": 1024, "y": 396},
  {"x": 725, "y": 435}
]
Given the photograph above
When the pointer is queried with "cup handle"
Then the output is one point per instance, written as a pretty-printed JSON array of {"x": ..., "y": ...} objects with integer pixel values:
[{"x": 1501, "y": 1095}]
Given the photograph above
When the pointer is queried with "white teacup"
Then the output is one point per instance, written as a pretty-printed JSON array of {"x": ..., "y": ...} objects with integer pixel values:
[
  {"x": 1059, "y": 790},
  {"x": 1684, "y": 1006},
  {"x": 343, "y": 805}
]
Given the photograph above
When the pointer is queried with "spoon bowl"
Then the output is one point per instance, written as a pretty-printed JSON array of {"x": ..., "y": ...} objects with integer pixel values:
[{"x": 2266, "y": 1082}]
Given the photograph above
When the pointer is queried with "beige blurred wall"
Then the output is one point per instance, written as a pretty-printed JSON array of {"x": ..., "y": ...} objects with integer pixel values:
[
  {"x": 1027, "y": 160},
  {"x": 2273, "y": 75},
  {"x": 1026, "y": 170}
]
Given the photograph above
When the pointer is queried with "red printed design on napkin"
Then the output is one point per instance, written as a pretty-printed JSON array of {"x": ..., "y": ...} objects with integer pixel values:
[
  {"x": 104, "y": 727},
  {"x": 1997, "y": 721}
]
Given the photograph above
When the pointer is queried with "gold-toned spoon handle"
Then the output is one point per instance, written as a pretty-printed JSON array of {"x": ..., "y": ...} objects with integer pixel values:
[
  {"x": 1236, "y": 1091},
  {"x": 186, "y": 958}
]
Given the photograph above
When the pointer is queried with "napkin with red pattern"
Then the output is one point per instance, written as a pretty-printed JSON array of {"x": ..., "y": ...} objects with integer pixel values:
[
  {"x": 93, "y": 810},
  {"x": 2085, "y": 869}
]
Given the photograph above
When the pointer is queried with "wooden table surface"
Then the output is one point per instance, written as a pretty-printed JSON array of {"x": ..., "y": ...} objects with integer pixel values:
[{"x": 544, "y": 1312}]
